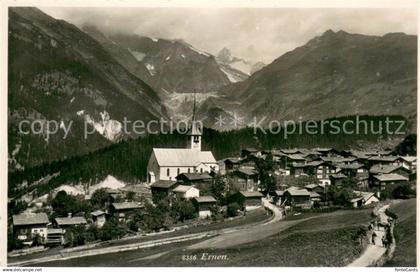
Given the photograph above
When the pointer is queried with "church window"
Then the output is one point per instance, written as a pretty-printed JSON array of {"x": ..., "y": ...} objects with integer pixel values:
[
  {"x": 201, "y": 170},
  {"x": 189, "y": 170},
  {"x": 167, "y": 172},
  {"x": 196, "y": 139},
  {"x": 177, "y": 171}
]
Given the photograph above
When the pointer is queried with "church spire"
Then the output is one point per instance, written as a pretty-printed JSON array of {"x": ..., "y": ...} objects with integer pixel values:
[{"x": 194, "y": 132}]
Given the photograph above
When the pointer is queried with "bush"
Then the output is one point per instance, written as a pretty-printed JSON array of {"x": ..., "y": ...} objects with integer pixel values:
[
  {"x": 232, "y": 209},
  {"x": 112, "y": 229},
  {"x": 182, "y": 210}
]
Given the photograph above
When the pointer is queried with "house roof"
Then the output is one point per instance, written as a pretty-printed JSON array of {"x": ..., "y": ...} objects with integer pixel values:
[
  {"x": 338, "y": 176},
  {"x": 246, "y": 171},
  {"x": 182, "y": 157},
  {"x": 383, "y": 158},
  {"x": 127, "y": 205},
  {"x": 55, "y": 231},
  {"x": 314, "y": 194},
  {"x": 384, "y": 169},
  {"x": 97, "y": 213},
  {"x": 205, "y": 199},
  {"x": 232, "y": 160},
  {"x": 409, "y": 158},
  {"x": 279, "y": 192},
  {"x": 390, "y": 177},
  {"x": 364, "y": 195},
  {"x": 298, "y": 192},
  {"x": 182, "y": 188},
  {"x": 337, "y": 159},
  {"x": 289, "y": 151},
  {"x": 194, "y": 176},
  {"x": 25, "y": 219},
  {"x": 313, "y": 185},
  {"x": 67, "y": 221},
  {"x": 356, "y": 199},
  {"x": 165, "y": 184},
  {"x": 250, "y": 194},
  {"x": 296, "y": 157},
  {"x": 352, "y": 166},
  {"x": 250, "y": 149}
]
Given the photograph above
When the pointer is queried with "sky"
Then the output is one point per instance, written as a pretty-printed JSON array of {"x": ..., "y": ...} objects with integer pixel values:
[{"x": 255, "y": 34}]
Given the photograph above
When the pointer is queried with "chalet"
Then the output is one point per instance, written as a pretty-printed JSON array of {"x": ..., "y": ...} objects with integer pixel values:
[
  {"x": 323, "y": 171},
  {"x": 383, "y": 160},
  {"x": 320, "y": 189},
  {"x": 232, "y": 164},
  {"x": 250, "y": 200},
  {"x": 167, "y": 163},
  {"x": 99, "y": 218},
  {"x": 337, "y": 179},
  {"x": 338, "y": 160},
  {"x": 204, "y": 205},
  {"x": 306, "y": 168},
  {"x": 27, "y": 225},
  {"x": 277, "y": 196},
  {"x": 300, "y": 198},
  {"x": 244, "y": 179},
  {"x": 355, "y": 170},
  {"x": 368, "y": 198},
  {"x": 409, "y": 162},
  {"x": 123, "y": 210},
  {"x": 201, "y": 181},
  {"x": 55, "y": 236},
  {"x": 315, "y": 197},
  {"x": 287, "y": 161},
  {"x": 382, "y": 180},
  {"x": 389, "y": 169},
  {"x": 247, "y": 152},
  {"x": 162, "y": 188},
  {"x": 186, "y": 192},
  {"x": 70, "y": 221},
  {"x": 328, "y": 152}
]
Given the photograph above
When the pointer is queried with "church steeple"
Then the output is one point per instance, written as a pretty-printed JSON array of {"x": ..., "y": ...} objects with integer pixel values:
[{"x": 194, "y": 133}]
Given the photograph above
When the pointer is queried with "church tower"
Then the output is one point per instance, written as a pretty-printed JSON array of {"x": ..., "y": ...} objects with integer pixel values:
[{"x": 194, "y": 133}]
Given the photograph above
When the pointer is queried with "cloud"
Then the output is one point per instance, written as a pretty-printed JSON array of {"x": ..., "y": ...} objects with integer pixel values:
[{"x": 257, "y": 34}]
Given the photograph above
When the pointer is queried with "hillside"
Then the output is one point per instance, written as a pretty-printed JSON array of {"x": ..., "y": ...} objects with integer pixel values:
[
  {"x": 57, "y": 72},
  {"x": 334, "y": 74}
]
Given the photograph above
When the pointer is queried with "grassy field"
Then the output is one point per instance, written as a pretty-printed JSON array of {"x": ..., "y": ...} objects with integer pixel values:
[
  {"x": 323, "y": 241},
  {"x": 405, "y": 234}
]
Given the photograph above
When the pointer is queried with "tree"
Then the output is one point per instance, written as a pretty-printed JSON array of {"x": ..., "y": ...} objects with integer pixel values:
[
  {"x": 112, "y": 229},
  {"x": 218, "y": 188},
  {"x": 182, "y": 210},
  {"x": 99, "y": 198},
  {"x": 232, "y": 209}
]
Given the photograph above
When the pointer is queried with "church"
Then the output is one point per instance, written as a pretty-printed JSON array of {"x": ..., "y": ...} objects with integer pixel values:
[{"x": 168, "y": 163}]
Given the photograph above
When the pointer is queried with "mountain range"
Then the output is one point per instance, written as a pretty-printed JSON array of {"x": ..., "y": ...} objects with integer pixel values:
[{"x": 60, "y": 72}]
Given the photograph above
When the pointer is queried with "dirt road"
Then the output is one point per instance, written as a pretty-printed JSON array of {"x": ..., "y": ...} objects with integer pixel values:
[{"x": 373, "y": 252}]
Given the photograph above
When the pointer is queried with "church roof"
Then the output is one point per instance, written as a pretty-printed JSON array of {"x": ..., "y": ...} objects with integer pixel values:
[
  {"x": 182, "y": 156},
  {"x": 194, "y": 129}
]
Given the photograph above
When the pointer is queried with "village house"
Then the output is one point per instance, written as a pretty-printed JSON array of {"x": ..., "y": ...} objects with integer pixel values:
[
  {"x": 250, "y": 200},
  {"x": 277, "y": 197},
  {"x": 338, "y": 179},
  {"x": 363, "y": 199},
  {"x": 382, "y": 180},
  {"x": 387, "y": 169},
  {"x": 162, "y": 188},
  {"x": 409, "y": 162},
  {"x": 186, "y": 192},
  {"x": 244, "y": 179},
  {"x": 320, "y": 189},
  {"x": 383, "y": 160},
  {"x": 28, "y": 225},
  {"x": 247, "y": 152},
  {"x": 99, "y": 218},
  {"x": 70, "y": 221},
  {"x": 203, "y": 205},
  {"x": 231, "y": 164},
  {"x": 299, "y": 198},
  {"x": 124, "y": 209},
  {"x": 168, "y": 163},
  {"x": 55, "y": 237},
  {"x": 200, "y": 181},
  {"x": 354, "y": 170}
]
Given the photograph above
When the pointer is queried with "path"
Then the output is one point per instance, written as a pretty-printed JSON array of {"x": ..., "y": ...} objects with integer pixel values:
[{"x": 373, "y": 252}]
